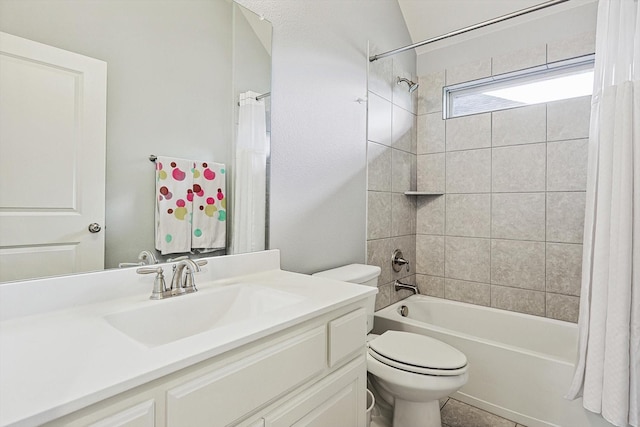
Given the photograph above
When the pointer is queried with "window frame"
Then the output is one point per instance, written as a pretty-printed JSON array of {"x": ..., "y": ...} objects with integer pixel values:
[{"x": 500, "y": 81}]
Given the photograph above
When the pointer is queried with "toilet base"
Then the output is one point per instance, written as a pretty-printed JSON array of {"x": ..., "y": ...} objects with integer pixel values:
[{"x": 411, "y": 414}]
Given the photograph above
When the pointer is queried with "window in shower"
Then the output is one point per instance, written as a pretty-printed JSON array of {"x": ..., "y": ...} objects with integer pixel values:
[{"x": 546, "y": 83}]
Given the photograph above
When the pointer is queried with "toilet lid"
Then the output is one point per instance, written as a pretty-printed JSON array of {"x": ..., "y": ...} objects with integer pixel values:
[{"x": 417, "y": 353}]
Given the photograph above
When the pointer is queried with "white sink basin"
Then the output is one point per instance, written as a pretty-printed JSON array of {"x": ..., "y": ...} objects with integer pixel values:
[{"x": 168, "y": 320}]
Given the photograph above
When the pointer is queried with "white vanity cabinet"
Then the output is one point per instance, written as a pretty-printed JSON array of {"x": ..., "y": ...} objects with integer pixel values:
[{"x": 310, "y": 374}]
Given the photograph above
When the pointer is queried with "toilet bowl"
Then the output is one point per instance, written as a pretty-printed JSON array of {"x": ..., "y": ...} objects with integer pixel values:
[
  {"x": 416, "y": 371},
  {"x": 409, "y": 372}
]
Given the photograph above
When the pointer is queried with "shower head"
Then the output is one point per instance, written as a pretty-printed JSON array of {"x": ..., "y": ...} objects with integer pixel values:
[{"x": 412, "y": 85}]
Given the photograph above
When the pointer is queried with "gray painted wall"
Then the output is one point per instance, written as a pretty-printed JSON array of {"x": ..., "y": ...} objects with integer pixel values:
[{"x": 318, "y": 145}]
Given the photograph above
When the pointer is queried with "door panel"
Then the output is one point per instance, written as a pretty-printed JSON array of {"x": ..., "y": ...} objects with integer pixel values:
[{"x": 52, "y": 160}]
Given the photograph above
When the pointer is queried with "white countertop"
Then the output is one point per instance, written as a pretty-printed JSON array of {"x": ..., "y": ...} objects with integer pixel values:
[{"x": 63, "y": 355}]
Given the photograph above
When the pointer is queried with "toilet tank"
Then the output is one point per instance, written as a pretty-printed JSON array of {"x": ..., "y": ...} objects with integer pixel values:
[{"x": 360, "y": 274}]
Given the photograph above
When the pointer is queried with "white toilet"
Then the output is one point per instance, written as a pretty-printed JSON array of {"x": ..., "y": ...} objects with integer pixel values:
[{"x": 409, "y": 371}]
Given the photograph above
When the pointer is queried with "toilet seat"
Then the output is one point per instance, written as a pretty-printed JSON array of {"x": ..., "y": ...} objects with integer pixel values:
[{"x": 418, "y": 354}]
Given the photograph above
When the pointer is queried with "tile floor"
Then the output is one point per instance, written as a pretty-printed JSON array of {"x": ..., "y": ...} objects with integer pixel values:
[{"x": 457, "y": 414}]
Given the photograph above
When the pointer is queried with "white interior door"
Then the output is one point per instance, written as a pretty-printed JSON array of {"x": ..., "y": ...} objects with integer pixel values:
[{"x": 52, "y": 160}]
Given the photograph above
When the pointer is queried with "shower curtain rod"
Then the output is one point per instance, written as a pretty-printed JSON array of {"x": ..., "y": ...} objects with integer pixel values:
[
  {"x": 469, "y": 28},
  {"x": 264, "y": 95}
]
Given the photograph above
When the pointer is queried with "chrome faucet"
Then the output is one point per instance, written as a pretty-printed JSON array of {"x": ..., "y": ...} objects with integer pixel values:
[
  {"x": 183, "y": 281},
  {"x": 398, "y": 285}
]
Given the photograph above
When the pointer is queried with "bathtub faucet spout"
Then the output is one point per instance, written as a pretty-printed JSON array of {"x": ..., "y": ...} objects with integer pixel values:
[{"x": 398, "y": 285}]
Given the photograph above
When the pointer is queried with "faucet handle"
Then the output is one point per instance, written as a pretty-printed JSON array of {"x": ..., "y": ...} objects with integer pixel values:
[
  {"x": 189, "y": 280},
  {"x": 398, "y": 260},
  {"x": 159, "y": 285},
  {"x": 180, "y": 258},
  {"x": 130, "y": 264},
  {"x": 147, "y": 257}
]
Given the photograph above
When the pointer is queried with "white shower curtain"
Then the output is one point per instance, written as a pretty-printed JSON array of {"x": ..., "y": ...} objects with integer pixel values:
[
  {"x": 248, "y": 225},
  {"x": 608, "y": 371}
]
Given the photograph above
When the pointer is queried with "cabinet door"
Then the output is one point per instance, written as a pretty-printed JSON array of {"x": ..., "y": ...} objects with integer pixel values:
[{"x": 339, "y": 400}]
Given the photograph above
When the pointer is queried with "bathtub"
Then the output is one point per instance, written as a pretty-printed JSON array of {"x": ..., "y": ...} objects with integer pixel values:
[{"x": 520, "y": 366}]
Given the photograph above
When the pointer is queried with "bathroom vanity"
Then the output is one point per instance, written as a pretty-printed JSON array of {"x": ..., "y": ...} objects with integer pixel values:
[{"x": 255, "y": 346}]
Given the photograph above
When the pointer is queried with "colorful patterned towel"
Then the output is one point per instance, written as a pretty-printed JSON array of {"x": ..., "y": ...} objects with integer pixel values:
[
  {"x": 209, "y": 229},
  {"x": 174, "y": 180}
]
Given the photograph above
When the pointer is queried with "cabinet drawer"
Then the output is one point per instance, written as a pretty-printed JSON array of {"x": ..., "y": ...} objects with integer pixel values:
[
  {"x": 139, "y": 411},
  {"x": 224, "y": 395},
  {"x": 347, "y": 334},
  {"x": 141, "y": 415}
]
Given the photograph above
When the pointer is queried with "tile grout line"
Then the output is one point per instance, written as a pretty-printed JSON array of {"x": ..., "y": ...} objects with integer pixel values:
[
  {"x": 546, "y": 186},
  {"x": 444, "y": 231}
]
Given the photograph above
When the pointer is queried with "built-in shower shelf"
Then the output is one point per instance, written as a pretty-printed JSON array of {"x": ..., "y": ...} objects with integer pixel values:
[{"x": 421, "y": 193}]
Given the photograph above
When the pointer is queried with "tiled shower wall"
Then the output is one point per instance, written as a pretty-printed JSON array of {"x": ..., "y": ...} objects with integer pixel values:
[
  {"x": 391, "y": 156},
  {"x": 507, "y": 231}
]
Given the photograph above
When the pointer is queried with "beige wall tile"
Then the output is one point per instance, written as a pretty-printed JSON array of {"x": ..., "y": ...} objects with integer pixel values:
[
  {"x": 468, "y": 215},
  {"x": 469, "y": 132},
  {"x": 378, "y": 215},
  {"x": 469, "y": 71},
  {"x": 565, "y": 217},
  {"x": 430, "y": 92},
  {"x": 379, "y": 119},
  {"x": 471, "y": 292},
  {"x": 519, "y": 169},
  {"x": 582, "y": 44},
  {"x": 467, "y": 258},
  {"x": 383, "y": 297},
  {"x": 519, "y": 264},
  {"x": 522, "y": 125},
  {"x": 379, "y": 253},
  {"x": 520, "y": 300},
  {"x": 430, "y": 215},
  {"x": 430, "y": 255},
  {"x": 402, "y": 171},
  {"x": 431, "y": 137},
  {"x": 567, "y": 165},
  {"x": 403, "y": 129},
  {"x": 431, "y": 172},
  {"x": 518, "y": 216},
  {"x": 568, "y": 119},
  {"x": 519, "y": 59},
  {"x": 564, "y": 268},
  {"x": 563, "y": 307},
  {"x": 403, "y": 215},
  {"x": 430, "y": 285},
  {"x": 379, "y": 167},
  {"x": 468, "y": 171}
]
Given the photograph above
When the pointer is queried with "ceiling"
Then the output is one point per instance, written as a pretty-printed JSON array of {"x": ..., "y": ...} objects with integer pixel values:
[{"x": 431, "y": 18}]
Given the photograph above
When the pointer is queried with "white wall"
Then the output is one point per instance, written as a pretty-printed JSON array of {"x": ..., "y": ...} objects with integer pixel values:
[{"x": 318, "y": 145}]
